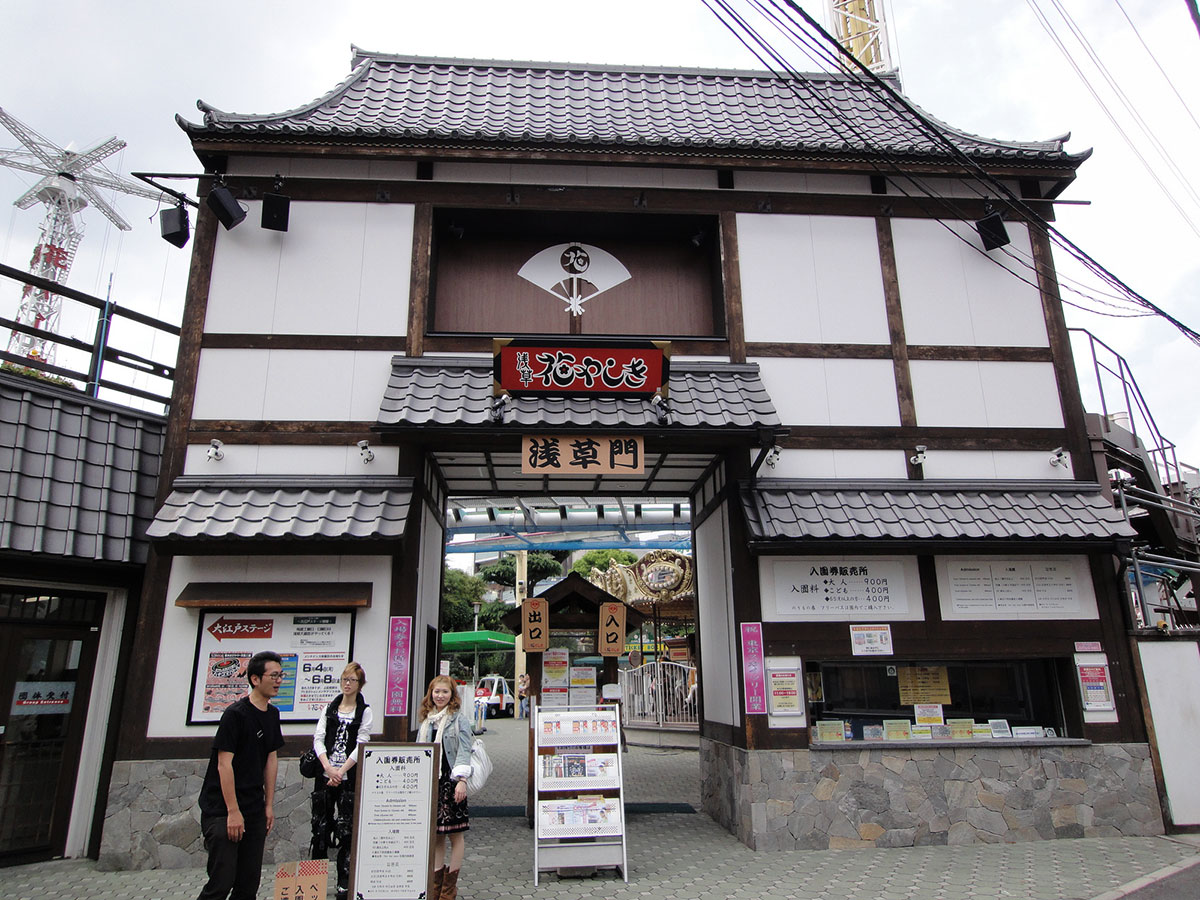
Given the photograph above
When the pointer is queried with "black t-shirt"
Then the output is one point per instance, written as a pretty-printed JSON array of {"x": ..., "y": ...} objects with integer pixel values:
[{"x": 250, "y": 734}]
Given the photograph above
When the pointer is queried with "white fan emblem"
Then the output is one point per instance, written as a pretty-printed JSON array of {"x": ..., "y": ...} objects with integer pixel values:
[{"x": 574, "y": 272}]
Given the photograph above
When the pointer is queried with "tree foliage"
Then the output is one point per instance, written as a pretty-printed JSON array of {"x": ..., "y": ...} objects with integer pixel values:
[
  {"x": 459, "y": 592},
  {"x": 600, "y": 559},
  {"x": 539, "y": 566}
]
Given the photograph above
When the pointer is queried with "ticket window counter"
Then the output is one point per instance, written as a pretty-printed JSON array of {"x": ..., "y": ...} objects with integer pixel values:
[{"x": 865, "y": 696}]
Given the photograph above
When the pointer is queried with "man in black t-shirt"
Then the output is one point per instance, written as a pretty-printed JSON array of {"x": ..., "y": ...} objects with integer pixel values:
[{"x": 237, "y": 797}]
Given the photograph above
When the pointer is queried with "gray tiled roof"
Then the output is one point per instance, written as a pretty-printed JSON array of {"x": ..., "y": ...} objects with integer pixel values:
[
  {"x": 453, "y": 391},
  {"x": 256, "y": 508},
  {"x": 905, "y": 510},
  {"x": 77, "y": 476},
  {"x": 586, "y": 108}
]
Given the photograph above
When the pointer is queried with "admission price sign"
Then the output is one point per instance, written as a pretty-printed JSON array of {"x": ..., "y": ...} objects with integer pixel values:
[{"x": 393, "y": 829}]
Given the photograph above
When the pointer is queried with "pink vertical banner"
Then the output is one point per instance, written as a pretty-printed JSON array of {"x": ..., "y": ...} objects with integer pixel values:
[
  {"x": 754, "y": 669},
  {"x": 399, "y": 648}
]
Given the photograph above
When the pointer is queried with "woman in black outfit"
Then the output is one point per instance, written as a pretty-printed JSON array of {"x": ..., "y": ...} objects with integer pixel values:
[{"x": 345, "y": 725}]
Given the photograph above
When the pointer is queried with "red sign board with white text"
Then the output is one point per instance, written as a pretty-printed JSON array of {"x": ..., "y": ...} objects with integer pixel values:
[{"x": 524, "y": 368}]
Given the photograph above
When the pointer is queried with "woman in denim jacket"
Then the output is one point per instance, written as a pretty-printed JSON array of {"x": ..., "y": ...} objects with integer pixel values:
[{"x": 443, "y": 722}]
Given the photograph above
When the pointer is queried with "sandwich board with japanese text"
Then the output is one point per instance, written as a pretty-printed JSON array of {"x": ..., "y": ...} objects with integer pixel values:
[{"x": 392, "y": 853}]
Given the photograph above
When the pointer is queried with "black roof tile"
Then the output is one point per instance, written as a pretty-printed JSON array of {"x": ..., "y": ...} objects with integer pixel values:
[
  {"x": 795, "y": 510},
  {"x": 588, "y": 107},
  {"x": 260, "y": 508},
  {"x": 77, "y": 475},
  {"x": 454, "y": 392}
]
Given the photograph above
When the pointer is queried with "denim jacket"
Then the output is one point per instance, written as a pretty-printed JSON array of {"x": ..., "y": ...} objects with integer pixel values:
[{"x": 457, "y": 739}]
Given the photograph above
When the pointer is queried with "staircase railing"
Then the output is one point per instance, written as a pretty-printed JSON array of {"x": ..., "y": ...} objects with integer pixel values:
[{"x": 1121, "y": 401}]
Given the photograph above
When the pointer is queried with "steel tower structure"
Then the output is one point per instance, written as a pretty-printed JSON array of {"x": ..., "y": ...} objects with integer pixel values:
[{"x": 70, "y": 181}]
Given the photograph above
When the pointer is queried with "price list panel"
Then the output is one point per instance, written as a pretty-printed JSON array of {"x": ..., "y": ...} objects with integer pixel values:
[{"x": 395, "y": 815}]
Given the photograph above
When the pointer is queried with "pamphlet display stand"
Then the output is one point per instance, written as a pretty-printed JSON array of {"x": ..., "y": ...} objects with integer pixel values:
[{"x": 579, "y": 816}]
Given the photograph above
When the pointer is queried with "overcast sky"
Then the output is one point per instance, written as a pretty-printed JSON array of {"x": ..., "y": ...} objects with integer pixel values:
[{"x": 127, "y": 67}]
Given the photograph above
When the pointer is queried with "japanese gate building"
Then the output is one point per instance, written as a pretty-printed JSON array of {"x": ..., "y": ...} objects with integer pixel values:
[{"x": 899, "y": 532}]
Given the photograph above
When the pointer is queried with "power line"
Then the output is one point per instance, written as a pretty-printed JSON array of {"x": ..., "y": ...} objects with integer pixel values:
[
  {"x": 821, "y": 55},
  {"x": 932, "y": 130}
]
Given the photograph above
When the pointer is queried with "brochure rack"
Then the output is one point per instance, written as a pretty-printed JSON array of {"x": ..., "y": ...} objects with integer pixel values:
[{"x": 579, "y": 815}]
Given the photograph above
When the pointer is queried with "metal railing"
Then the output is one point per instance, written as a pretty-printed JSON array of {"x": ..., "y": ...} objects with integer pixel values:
[
  {"x": 100, "y": 351},
  {"x": 659, "y": 695},
  {"x": 1122, "y": 404}
]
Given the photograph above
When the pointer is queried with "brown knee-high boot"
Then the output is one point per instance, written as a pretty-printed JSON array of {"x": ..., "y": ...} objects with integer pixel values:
[
  {"x": 449, "y": 884},
  {"x": 438, "y": 875}
]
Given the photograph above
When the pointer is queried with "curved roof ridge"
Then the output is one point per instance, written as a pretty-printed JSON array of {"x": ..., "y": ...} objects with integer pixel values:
[
  {"x": 472, "y": 102},
  {"x": 359, "y": 55},
  {"x": 212, "y": 114}
]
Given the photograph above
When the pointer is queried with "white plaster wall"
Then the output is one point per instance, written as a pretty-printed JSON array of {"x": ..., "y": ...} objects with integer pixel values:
[
  {"x": 275, "y": 459},
  {"x": 800, "y": 183},
  {"x": 831, "y": 391},
  {"x": 952, "y": 293},
  {"x": 1003, "y": 464},
  {"x": 839, "y": 464},
  {"x": 429, "y": 587},
  {"x": 334, "y": 385},
  {"x": 340, "y": 268},
  {"x": 177, "y": 643},
  {"x": 289, "y": 167},
  {"x": 1172, "y": 671},
  {"x": 811, "y": 279},
  {"x": 943, "y": 187},
  {"x": 968, "y": 393},
  {"x": 594, "y": 176},
  {"x": 95, "y": 730},
  {"x": 714, "y": 607}
]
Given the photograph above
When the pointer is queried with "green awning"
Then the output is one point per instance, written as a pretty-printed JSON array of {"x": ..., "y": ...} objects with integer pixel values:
[{"x": 465, "y": 641}]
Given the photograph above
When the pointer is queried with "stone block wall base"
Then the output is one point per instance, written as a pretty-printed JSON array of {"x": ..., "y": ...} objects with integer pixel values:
[
  {"x": 864, "y": 797},
  {"x": 152, "y": 820}
]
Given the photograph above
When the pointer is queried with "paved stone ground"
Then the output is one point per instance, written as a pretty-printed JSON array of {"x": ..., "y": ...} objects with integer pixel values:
[{"x": 686, "y": 856}]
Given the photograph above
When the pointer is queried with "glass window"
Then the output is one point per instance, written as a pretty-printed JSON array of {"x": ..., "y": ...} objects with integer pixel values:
[{"x": 1023, "y": 692}]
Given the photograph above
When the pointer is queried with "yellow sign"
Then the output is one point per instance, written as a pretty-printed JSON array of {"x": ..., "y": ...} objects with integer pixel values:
[
  {"x": 923, "y": 684},
  {"x": 535, "y": 625},
  {"x": 582, "y": 454},
  {"x": 611, "y": 638}
]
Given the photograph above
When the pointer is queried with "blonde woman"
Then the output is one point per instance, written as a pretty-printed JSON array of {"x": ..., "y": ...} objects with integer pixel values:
[
  {"x": 444, "y": 722},
  {"x": 345, "y": 724}
]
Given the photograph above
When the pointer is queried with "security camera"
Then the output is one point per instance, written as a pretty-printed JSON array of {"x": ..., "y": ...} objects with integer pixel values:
[
  {"x": 1058, "y": 457},
  {"x": 364, "y": 448},
  {"x": 214, "y": 452},
  {"x": 918, "y": 458}
]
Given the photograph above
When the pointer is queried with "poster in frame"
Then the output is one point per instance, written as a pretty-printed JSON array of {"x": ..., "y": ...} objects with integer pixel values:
[{"x": 314, "y": 646}]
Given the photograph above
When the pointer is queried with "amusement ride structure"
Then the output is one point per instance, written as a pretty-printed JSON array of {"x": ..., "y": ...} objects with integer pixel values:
[{"x": 70, "y": 181}]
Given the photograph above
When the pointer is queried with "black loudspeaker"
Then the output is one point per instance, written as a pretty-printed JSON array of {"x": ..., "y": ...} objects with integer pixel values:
[
  {"x": 992, "y": 231},
  {"x": 174, "y": 225},
  {"x": 227, "y": 209},
  {"x": 275, "y": 212}
]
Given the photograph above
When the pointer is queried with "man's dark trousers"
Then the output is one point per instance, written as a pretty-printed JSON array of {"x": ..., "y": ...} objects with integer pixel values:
[{"x": 233, "y": 865}]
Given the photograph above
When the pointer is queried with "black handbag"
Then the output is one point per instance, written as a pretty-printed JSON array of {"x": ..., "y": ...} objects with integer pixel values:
[{"x": 310, "y": 764}]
